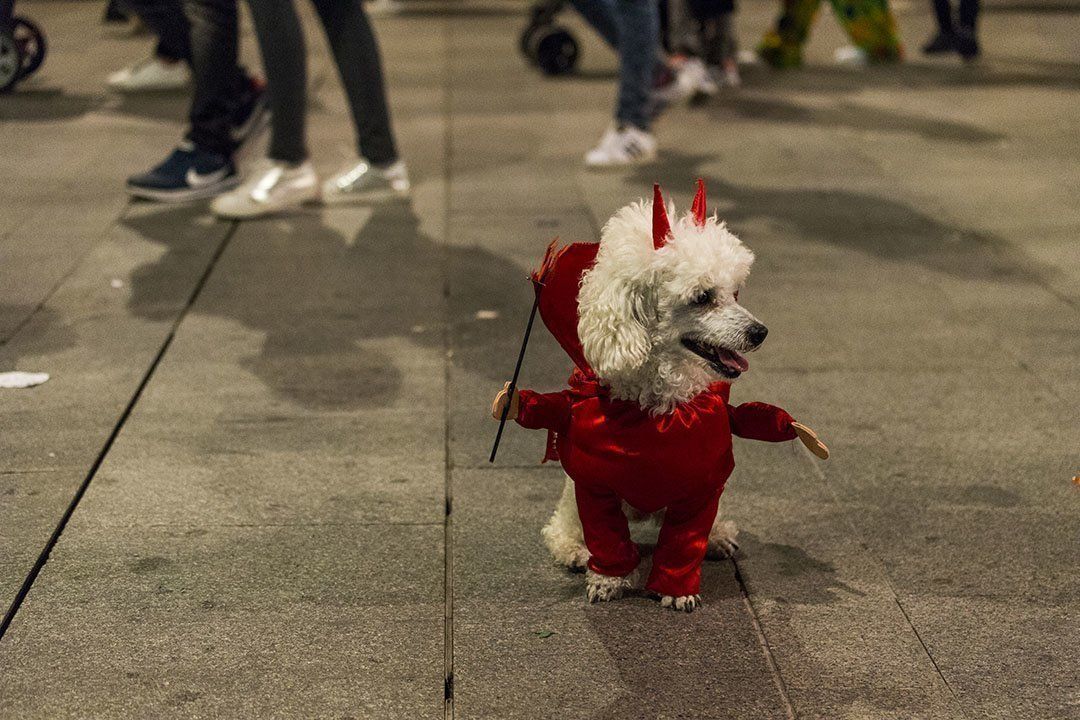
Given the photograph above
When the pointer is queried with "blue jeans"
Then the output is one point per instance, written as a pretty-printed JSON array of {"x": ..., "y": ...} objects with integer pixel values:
[{"x": 632, "y": 28}]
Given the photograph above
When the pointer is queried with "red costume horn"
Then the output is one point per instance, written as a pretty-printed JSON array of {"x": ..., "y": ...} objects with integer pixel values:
[
  {"x": 661, "y": 228},
  {"x": 698, "y": 208}
]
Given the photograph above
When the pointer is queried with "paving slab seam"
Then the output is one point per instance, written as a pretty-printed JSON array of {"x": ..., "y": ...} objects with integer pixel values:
[
  {"x": 929, "y": 655},
  {"x": 448, "y": 480},
  {"x": 763, "y": 642},
  {"x": 43, "y": 556},
  {"x": 811, "y": 460}
]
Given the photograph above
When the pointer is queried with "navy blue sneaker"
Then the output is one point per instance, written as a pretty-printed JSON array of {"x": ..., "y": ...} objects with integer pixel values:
[{"x": 189, "y": 173}]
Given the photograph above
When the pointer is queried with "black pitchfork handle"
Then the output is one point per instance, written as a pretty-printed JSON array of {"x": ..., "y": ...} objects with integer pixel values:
[{"x": 513, "y": 382}]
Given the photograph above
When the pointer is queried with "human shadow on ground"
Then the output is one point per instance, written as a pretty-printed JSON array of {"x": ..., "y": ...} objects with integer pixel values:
[
  {"x": 326, "y": 300},
  {"x": 867, "y": 223},
  {"x": 166, "y": 106},
  {"x": 805, "y": 579},
  {"x": 31, "y": 330},
  {"x": 907, "y": 77},
  {"x": 690, "y": 660},
  {"x": 849, "y": 115},
  {"x": 669, "y": 662},
  {"x": 29, "y": 104}
]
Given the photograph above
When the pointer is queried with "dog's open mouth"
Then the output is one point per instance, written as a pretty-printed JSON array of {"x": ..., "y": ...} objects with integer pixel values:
[{"x": 726, "y": 362}]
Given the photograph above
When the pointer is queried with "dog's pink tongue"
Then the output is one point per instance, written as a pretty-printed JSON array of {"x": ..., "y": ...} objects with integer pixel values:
[{"x": 734, "y": 360}]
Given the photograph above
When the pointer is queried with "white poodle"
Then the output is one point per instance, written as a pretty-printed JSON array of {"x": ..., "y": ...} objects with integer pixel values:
[{"x": 652, "y": 320}]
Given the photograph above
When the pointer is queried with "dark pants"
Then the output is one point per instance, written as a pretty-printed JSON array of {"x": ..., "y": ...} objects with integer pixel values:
[
  {"x": 356, "y": 54},
  {"x": 969, "y": 11},
  {"x": 203, "y": 33}
]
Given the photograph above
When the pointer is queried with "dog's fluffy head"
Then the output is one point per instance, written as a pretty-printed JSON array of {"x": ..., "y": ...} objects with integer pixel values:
[{"x": 659, "y": 325}]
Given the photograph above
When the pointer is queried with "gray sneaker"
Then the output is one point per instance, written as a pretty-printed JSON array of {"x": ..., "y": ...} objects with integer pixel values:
[{"x": 365, "y": 181}]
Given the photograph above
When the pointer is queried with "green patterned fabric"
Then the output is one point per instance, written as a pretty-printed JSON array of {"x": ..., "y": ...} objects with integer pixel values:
[{"x": 868, "y": 23}]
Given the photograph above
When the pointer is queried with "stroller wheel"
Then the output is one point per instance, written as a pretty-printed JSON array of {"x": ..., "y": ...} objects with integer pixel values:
[
  {"x": 11, "y": 60},
  {"x": 556, "y": 51},
  {"x": 31, "y": 42}
]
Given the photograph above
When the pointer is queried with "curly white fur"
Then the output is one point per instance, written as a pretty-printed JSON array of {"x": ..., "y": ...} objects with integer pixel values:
[
  {"x": 633, "y": 306},
  {"x": 563, "y": 535},
  {"x": 636, "y": 307},
  {"x": 601, "y": 588}
]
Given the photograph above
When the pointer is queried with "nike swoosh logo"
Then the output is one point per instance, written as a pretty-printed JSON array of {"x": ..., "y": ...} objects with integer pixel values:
[
  {"x": 240, "y": 133},
  {"x": 195, "y": 179}
]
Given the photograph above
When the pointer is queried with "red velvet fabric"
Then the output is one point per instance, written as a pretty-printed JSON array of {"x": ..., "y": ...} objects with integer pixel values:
[{"x": 615, "y": 452}]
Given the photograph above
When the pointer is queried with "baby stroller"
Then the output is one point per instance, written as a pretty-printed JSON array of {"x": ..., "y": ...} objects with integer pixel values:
[
  {"x": 22, "y": 46},
  {"x": 549, "y": 46}
]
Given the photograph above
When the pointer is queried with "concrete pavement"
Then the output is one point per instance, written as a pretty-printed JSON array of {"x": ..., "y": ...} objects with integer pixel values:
[{"x": 262, "y": 452}]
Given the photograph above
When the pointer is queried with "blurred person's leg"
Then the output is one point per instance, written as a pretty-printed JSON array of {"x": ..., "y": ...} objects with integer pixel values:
[
  {"x": 629, "y": 141},
  {"x": 639, "y": 33},
  {"x": 684, "y": 30},
  {"x": 723, "y": 49},
  {"x": 225, "y": 108},
  {"x": 220, "y": 84},
  {"x": 871, "y": 27},
  {"x": 969, "y": 13},
  {"x": 781, "y": 46},
  {"x": 356, "y": 53},
  {"x": 166, "y": 20},
  {"x": 600, "y": 14},
  {"x": 379, "y": 171},
  {"x": 942, "y": 41},
  {"x": 286, "y": 178},
  {"x": 166, "y": 69},
  {"x": 943, "y": 14},
  {"x": 281, "y": 42},
  {"x": 966, "y": 42}
]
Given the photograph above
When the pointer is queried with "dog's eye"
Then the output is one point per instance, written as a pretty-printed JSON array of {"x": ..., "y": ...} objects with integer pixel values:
[{"x": 705, "y": 297}]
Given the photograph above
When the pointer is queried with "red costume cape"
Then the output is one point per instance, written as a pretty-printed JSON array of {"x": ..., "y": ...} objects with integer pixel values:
[{"x": 616, "y": 451}]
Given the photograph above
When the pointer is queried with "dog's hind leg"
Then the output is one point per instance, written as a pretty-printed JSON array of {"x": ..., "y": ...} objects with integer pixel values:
[
  {"x": 722, "y": 538},
  {"x": 563, "y": 535}
]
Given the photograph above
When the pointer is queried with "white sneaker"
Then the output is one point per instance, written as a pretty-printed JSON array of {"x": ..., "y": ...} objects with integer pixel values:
[
  {"x": 272, "y": 186},
  {"x": 149, "y": 75},
  {"x": 689, "y": 73},
  {"x": 620, "y": 147},
  {"x": 699, "y": 78},
  {"x": 850, "y": 55},
  {"x": 365, "y": 181}
]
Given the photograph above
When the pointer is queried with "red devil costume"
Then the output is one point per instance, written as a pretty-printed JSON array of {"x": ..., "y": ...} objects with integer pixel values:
[{"x": 617, "y": 451}]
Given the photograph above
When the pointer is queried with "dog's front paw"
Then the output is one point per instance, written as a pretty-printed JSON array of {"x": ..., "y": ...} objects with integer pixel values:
[
  {"x": 722, "y": 543},
  {"x": 686, "y": 603},
  {"x": 602, "y": 588}
]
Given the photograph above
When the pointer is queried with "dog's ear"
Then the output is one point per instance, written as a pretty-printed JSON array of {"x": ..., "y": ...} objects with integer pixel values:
[{"x": 613, "y": 324}]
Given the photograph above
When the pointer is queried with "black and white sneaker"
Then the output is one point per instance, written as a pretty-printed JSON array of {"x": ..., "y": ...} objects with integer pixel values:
[
  {"x": 251, "y": 114},
  {"x": 189, "y": 173},
  {"x": 623, "y": 146}
]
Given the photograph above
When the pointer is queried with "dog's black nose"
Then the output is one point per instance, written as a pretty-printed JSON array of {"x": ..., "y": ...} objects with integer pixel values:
[{"x": 756, "y": 334}]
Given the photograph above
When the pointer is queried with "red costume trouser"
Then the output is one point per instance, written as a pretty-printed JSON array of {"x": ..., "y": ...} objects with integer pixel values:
[{"x": 680, "y": 549}]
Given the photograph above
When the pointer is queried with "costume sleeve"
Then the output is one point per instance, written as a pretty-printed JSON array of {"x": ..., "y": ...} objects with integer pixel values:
[
  {"x": 550, "y": 411},
  {"x": 759, "y": 421}
]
